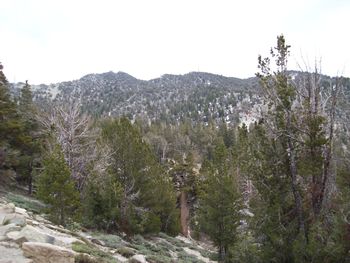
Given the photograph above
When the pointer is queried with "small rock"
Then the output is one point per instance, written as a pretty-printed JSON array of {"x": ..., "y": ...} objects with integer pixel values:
[
  {"x": 120, "y": 258},
  {"x": 138, "y": 259},
  {"x": 66, "y": 241},
  {"x": 21, "y": 211},
  {"x": 33, "y": 222},
  {"x": 41, "y": 219},
  {"x": 47, "y": 253}
]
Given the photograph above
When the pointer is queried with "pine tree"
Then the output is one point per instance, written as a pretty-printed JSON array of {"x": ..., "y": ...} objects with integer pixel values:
[
  {"x": 184, "y": 178},
  {"x": 281, "y": 95},
  {"x": 56, "y": 188},
  {"x": 30, "y": 145},
  {"x": 274, "y": 221},
  {"x": 220, "y": 202},
  {"x": 10, "y": 125},
  {"x": 101, "y": 197},
  {"x": 147, "y": 202},
  {"x": 293, "y": 194}
]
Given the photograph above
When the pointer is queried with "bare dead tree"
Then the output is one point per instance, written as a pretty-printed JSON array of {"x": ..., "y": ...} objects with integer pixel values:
[{"x": 72, "y": 130}]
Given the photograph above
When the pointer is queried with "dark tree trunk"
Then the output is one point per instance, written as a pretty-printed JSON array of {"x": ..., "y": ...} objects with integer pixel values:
[
  {"x": 30, "y": 180},
  {"x": 222, "y": 253},
  {"x": 294, "y": 173},
  {"x": 184, "y": 213},
  {"x": 30, "y": 184}
]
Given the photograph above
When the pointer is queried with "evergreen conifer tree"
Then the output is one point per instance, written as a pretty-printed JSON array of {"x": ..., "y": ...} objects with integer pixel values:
[
  {"x": 56, "y": 187},
  {"x": 30, "y": 146},
  {"x": 10, "y": 127},
  {"x": 147, "y": 201},
  {"x": 220, "y": 201}
]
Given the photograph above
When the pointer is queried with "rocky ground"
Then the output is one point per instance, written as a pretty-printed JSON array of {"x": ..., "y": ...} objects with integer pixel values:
[{"x": 28, "y": 237}]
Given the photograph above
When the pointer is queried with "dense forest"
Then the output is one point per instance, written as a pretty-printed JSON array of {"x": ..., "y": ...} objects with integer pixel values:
[{"x": 273, "y": 190}]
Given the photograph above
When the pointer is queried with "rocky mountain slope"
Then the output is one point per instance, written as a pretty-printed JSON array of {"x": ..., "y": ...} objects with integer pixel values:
[
  {"x": 197, "y": 96},
  {"x": 28, "y": 237}
]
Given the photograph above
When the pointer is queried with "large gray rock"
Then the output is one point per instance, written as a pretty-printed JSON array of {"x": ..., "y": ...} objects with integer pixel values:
[
  {"x": 30, "y": 233},
  {"x": 7, "y": 228},
  {"x": 62, "y": 236},
  {"x": 7, "y": 208},
  {"x": 138, "y": 259},
  {"x": 47, "y": 253},
  {"x": 11, "y": 253},
  {"x": 14, "y": 218}
]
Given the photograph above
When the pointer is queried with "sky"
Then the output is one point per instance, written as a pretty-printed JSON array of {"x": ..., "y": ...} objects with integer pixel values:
[{"x": 49, "y": 41}]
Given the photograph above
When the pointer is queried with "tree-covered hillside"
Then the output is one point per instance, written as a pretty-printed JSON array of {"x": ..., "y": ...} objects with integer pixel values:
[{"x": 258, "y": 167}]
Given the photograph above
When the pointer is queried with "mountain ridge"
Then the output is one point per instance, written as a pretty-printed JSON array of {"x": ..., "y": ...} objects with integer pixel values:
[{"x": 196, "y": 96}]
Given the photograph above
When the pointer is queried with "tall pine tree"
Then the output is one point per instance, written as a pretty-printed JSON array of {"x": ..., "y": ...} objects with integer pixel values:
[
  {"x": 220, "y": 202},
  {"x": 30, "y": 144},
  {"x": 10, "y": 124},
  {"x": 147, "y": 201},
  {"x": 56, "y": 187}
]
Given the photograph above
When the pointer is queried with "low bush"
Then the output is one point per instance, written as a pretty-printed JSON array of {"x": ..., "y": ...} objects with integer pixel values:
[
  {"x": 159, "y": 259},
  {"x": 81, "y": 258},
  {"x": 126, "y": 252},
  {"x": 27, "y": 203},
  {"x": 112, "y": 241},
  {"x": 100, "y": 256}
]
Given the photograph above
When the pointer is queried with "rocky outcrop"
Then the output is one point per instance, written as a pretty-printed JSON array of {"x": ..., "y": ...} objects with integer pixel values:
[
  {"x": 26, "y": 238},
  {"x": 47, "y": 253},
  {"x": 30, "y": 238},
  {"x": 30, "y": 233},
  {"x": 11, "y": 253}
]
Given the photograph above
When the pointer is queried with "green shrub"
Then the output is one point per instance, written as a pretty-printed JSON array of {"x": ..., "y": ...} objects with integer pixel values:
[
  {"x": 112, "y": 241},
  {"x": 27, "y": 203},
  {"x": 159, "y": 259},
  {"x": 141, "y": 249},
  {"x": 100, "y": 256},
  {"x": 126, "y": 252},
  {"x": 73, "y": 226},
  {"x": 151, "y": 223},
  {"x": 208, "y": 254},
  {"x": 81, "y": 258},
  {"x": 184, "y": 257},
  {"x": 138, "y": 239},
  {"x": 174, "y": 241}
]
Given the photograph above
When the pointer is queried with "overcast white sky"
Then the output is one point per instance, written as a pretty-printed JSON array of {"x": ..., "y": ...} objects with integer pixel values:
[{"x": 46, "y": 41}]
